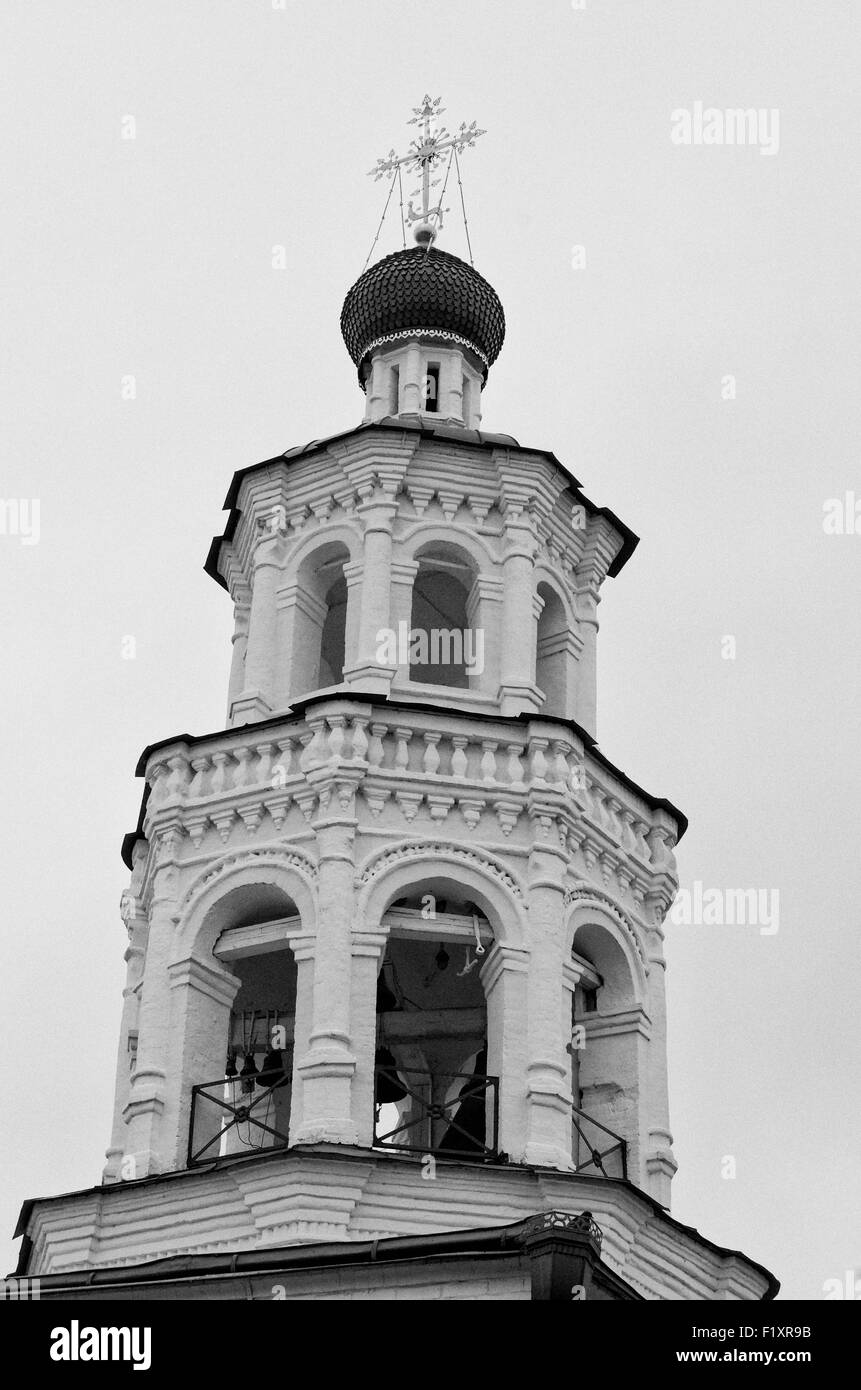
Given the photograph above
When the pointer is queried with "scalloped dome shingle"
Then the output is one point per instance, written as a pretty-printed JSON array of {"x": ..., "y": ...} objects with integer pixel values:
[{"x": 418, "y": 290}]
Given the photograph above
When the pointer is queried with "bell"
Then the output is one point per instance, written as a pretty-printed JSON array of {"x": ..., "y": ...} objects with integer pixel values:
[
  {"x": 230, "y": 1066},
  {"x": 388, "y": 1087},
  {"x": 272, "y": 1072},
  {"x": 468, "y": 1132},
  {"x": 386, "y": 1001},
  {"x": 248, "y": 1074}
]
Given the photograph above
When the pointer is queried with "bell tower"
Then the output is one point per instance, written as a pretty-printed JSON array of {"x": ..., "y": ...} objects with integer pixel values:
[{"x": 395, "y": 942}]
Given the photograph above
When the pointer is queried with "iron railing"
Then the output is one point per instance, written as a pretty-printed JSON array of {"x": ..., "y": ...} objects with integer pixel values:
[
  {"x": 434, "y": 1116},
  {"x": 228, "y": 1119},
  {"x": 610, "y": 1162},
  {"x": 434, "y": 1120}
]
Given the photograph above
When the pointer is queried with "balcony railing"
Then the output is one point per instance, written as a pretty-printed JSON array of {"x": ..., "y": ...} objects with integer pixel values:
[
  {"x": 611, "y": 1161},
  {"x": 229, "y": 1118},
  {"x": 435, "y": 1114}
]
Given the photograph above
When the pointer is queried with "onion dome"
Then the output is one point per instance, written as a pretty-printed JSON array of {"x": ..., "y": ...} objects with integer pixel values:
[{"x": 422, "y": 292}]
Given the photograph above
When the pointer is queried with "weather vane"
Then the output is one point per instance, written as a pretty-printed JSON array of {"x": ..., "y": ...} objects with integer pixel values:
[{"x": 424, "y": 156}]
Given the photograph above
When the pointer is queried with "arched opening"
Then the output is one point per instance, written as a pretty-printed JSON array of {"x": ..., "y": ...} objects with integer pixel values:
[
  {"x": 318, "y": 607},
  {"x": 242, "y": 1104},
  {"x": 444, "y": 648},
  {"x": 551, "y": 663},
  {"x": 334, "y": 634},
  {"x": 433, "y": 1090},
  {"x": 430, "y": 388},
  {"x": 603, "y": 1054}
]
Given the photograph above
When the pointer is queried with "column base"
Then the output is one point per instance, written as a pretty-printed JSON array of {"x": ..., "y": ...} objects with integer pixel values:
[
  {"x": 249, "y": 708},
  {"x": 143, "y": 1113},
  {"x": 518, "y": 698},
  {"x": 327, "y": 1074},
  {"x": 548, "y": 1119},
  {"x": 326, "y": 1132},
  {"x": 540, "y": 1155},
  {"x": 661, "y": 1167},
  {"x": 373, "y": 678},
  {"x": 111, "y": 1170}
]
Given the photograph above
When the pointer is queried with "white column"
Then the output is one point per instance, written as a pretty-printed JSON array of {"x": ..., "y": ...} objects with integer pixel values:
[
  {"x": 368, "y": 945},
  {"x": 134, "y": 958},
  {"x": 403, "y": 575},
  {"x": 301, "y": 616},
  {"x": 548, "y": 1089},
  {"x": 504, "y": 976},
  {"x": 375, "y": 615},
  {"x": 411, "y": 381},
  {"x": 201, "y": 996},
  {"x": 256, "y": 700},
  {"x": 241, "y": 615},
  {"x": 451, "y": 386},
  {"x": 518, "y": 691},
  {"x": 145, "y": 1105},
  {"x": 302, "y": 946},
  {"x": 586, "y": 711},
  {"x": 327, "y": 1068},
  {"x": 659, "y": 1159},
  {"x": 375, "y": 388},
  {"x": 484, "y": 613}
]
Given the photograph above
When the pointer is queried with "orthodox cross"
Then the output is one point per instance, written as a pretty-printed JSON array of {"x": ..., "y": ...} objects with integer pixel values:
[{"x": 424, "y": 155}]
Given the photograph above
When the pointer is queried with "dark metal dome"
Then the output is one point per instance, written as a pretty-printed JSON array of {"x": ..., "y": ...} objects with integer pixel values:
[{"x": 422, "y": 290}]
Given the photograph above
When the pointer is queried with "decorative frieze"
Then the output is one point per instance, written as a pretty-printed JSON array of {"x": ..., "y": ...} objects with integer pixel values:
[{"x": 420, "y": 767}]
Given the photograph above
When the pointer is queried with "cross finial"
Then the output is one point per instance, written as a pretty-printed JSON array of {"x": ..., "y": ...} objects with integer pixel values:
[{"x": 423, "y": 157}]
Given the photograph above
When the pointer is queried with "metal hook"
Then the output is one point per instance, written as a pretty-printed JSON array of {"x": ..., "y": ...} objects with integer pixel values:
[{"x": 468, "y": 965}]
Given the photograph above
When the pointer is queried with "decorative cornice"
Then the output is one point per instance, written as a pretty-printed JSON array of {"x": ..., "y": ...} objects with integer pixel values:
[{"x": 443, "y": 333}]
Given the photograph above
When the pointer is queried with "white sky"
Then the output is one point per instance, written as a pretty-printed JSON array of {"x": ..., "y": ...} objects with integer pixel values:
[{"x": 152, "y": 257}]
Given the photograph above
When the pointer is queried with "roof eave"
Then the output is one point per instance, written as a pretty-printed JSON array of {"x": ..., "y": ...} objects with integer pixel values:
[{"x": 471, "y": 439}]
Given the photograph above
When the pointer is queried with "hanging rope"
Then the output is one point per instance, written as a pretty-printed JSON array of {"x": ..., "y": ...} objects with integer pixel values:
[
  {"x": 442, "y": 195},
  {"x": 382, "y": 220},
  {"x": 403, "y": 224},
  {"x": 463, "y": 210}
]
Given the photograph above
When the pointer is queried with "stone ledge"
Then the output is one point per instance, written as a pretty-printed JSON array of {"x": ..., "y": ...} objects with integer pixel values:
[{"x": 191, "y": 1212}]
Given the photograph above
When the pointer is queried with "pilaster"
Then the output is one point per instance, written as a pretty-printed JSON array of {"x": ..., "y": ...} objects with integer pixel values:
[
  {"x": 328, "y": 1066},
  {"x": 548, "y": 1089},
  {"x": 145, "y": 1107},
  {"x": 378, "y": 513},
  {"x": 136, "y": 925},
  {"x": 518, "y": 691},
  {"x": 256, "y": 700}
]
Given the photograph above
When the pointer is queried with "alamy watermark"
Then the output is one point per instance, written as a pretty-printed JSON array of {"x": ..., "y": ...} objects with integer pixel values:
[
  {"x": 19, "y": 516},
  {"x": 727, "y": 907},
  {"x": 842, "y": 515},
  {"x": 709, "y": 125},
  {"x": 15, "y": 1290},
  {"x": 436, "y": 646}
]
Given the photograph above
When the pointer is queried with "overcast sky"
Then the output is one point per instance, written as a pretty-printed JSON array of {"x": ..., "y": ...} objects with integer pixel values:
[{"x": 152, "y": 257}]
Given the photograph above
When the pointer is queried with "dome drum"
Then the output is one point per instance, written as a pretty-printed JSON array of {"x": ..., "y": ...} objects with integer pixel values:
[{"x": 423, "y": 293}]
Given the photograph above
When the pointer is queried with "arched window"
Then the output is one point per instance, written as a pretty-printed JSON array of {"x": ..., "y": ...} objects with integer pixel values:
[
  {"x": 317, "y": 608},
  {"x": 603, "y": 1055},
  {"x": 445, "y": 649},
  {"x": 552, "y": 658},
  {"x": 333, "y": 637},
  {"x": 433, "y": 1092},
  {"x": 430, "y": 388},
  {"x": 241, "y": 1101}
]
